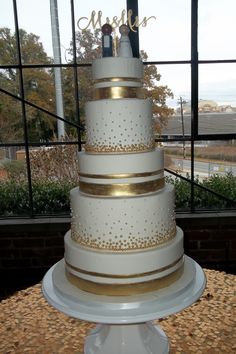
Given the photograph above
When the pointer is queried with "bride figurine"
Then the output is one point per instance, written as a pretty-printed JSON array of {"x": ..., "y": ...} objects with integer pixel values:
[{"x": 124, "y": 49}]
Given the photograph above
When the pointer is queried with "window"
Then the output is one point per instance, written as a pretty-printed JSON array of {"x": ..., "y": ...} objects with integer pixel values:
[{"x": 45, "y": 80}]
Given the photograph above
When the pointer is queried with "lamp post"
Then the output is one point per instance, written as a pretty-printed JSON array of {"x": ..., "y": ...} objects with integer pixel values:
[
  {"x": 181, "y": 102},
  {"x": 57, "y": 70}
]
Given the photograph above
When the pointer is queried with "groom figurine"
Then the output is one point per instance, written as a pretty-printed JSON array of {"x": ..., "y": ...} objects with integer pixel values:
[{"x": 107, "y": 41}]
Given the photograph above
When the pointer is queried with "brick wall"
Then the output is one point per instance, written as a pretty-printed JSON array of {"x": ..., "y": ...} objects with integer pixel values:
[
  {"x": 28, "y": 248},
  {"x": 210, "y": 239}
]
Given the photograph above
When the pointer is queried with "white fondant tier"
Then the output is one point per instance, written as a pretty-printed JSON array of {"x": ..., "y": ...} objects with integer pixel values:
[
  {"x": 122, "y": 125},
  {"x": 107, "y": 164},
  {"x": 116, "y": 78},
  {"x": 126, "y": 267},
  {"x": 124, "y": 175},
  {"x": 120, "y": 224},
  {"x": 115, "y": 67}
]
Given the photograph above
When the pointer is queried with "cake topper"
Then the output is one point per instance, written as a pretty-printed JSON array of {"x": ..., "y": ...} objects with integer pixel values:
[
  {"x": 106, "y": 40},
  {"x": 124, "y": 49},
  {"x": 95, "y": 20}
]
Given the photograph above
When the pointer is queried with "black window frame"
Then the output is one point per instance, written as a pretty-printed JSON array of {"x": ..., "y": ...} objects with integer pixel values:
[{"x": 194, "y": 63}]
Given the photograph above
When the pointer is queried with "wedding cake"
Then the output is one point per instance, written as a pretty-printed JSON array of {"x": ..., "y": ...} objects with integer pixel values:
[{"x": 123, "y": 238}]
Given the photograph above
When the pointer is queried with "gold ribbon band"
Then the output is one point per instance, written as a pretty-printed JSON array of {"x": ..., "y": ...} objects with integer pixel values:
[
  {"x": 116, "y": 149},
  {"x": 121, "y": 189},
  {"x": 117, "y": 79},
  {"x": 116, "y": 92},
  {"x": 124, "y": 289},
  {"x": 117, "y": 276},
  {"x": 121, "y": 175}
]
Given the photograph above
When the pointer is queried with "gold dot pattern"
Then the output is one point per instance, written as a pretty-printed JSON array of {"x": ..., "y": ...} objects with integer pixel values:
[
  {"x": 99, "y": 148},
  {"x": 113, "y": 126},
  {"x": 123, "y": 223},
  {"x": 118, "y": 243}
]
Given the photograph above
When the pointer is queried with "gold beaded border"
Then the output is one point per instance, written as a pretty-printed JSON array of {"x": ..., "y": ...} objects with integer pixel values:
[
  {"x": 121, "y": 189},
  {"x": 89, "y": 148}
]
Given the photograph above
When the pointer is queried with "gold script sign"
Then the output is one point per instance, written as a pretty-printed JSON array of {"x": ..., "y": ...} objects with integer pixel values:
[{"x": 96, "y": 21}]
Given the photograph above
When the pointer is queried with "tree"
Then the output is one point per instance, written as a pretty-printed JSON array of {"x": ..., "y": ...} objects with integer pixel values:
[
  {"x": 38, "y": 88},
  {"x": 89, "y": 48},
  {"x": 158, "y": 95},
  {"x": 11, "y": 128}
]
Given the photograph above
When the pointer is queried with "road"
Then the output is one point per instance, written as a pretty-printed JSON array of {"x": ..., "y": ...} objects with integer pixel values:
[
  {"x": 204, "y": 168},
  {"x": 209, "y": 123}
]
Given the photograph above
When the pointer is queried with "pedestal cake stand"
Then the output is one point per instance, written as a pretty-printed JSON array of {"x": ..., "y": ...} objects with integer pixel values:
[{"x": 124, "y": 322}]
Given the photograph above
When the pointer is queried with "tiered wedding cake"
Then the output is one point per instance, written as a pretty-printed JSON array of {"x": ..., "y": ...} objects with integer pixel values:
[{"x": 123, "y": 237}]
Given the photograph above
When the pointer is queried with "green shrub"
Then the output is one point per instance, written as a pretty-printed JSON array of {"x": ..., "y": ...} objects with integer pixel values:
[
  {"x": 225, "y": 186},
  {"x": 14, "y": 198},
  {"x": 52, "y": 197},
  {"x": 48, "y": 198},
  {"x": 203, "y": 199}
]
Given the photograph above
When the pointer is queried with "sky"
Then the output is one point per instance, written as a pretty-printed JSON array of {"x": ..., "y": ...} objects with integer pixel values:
[{"x": 167, "y": 37}]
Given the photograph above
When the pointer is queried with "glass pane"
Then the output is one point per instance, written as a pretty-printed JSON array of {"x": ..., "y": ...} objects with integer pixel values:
[
  {"x": 35, "y": 45},
  {"x": 85, "y": 92},
  {"x": 7, "y": 38},
  {"x": 217, "y": 100},
  {"x": 14, "y": 193},
  {"x": 54, "y": 173},
  {"x": 39, "y": 88},
  {"x": 41, "y": 126},
  {"x": 37, "y": 38},
  {"x": 8, "y": 47},
  {"x": 167, "y": 37},
  {"x": 164, "y": 89},
  {"x": 9, "y": 81},
  {"x": 215, "y": 169},
  {"x": 70, "y": 109},
  {"x": 178, "y": 157},
  {"x": 179, "y": 121},
  {"x": 217, "y": 29},
  {"x": 11, "y": 123},
  {"x": 7, "y": 15},
  {"x": 179, "y": 124},
  {"x": 215, "y": 158}
]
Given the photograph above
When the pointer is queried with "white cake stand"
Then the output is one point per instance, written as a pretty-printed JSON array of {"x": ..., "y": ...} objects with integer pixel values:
[{"x": 125, "y": 325}]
